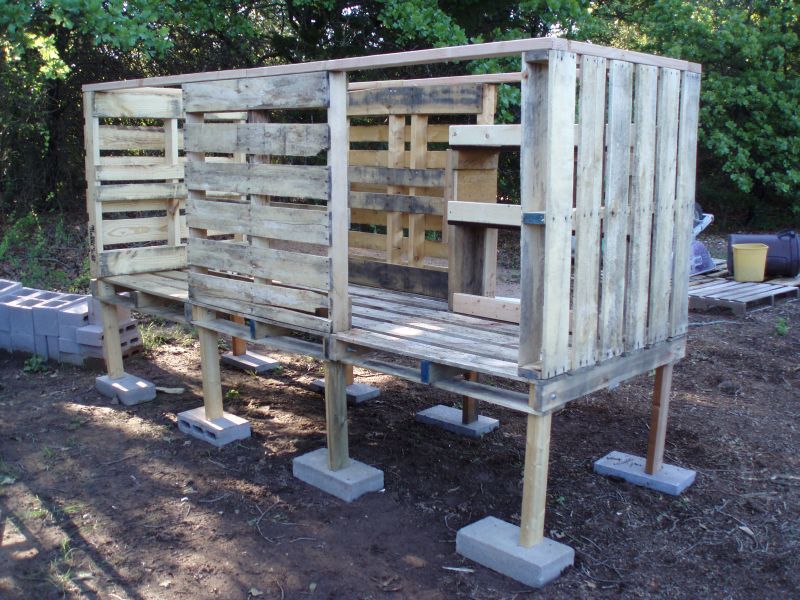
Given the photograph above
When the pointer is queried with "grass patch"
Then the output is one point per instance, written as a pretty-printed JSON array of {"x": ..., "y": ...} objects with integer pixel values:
[{"x": 156, "y": 333}]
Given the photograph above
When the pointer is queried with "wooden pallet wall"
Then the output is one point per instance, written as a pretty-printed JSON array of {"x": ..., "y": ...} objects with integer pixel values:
[
  {"x": 623, "y": 180},
  {"x": 398, "y": 159},
  {"x": 267, "y": 232}
]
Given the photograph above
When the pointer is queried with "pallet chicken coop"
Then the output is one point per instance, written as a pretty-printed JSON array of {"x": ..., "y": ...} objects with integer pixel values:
[{"x": 356, "y": 222}]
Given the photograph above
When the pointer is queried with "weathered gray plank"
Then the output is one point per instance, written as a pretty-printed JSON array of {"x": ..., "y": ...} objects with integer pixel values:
[
  {"x": 286, "y": 139},
  {"x": 308, "y": 90}
]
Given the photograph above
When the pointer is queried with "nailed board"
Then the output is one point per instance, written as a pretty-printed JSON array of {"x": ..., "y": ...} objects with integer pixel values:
[{"x": 739, "y": 297}]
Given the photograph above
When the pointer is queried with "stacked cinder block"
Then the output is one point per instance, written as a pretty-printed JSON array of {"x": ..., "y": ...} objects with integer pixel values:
[{"x": 56, "y": 326}]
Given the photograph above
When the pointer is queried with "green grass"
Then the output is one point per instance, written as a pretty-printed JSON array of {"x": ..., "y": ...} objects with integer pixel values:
[
  {"x": 156, "y": 333},
  {"x": 781, "y": 326}
]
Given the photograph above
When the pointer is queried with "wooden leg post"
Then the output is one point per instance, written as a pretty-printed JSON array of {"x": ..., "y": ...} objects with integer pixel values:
[
  {"x": 238, "y": 345},
  {"x": 209, "y": 360},
  {"x": 336, "y": 414},
  {"x": 534, "y": 487},
  {"x": 469, "y": 406},
  {"x": 112, "y": 349},
  {"x": 658, "y": 419},
  {"x": 349, "y": 378}
]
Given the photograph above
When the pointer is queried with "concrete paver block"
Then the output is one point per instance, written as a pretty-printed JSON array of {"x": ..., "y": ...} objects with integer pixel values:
[
  {"x": 250, "y": 362},
  {"x": 354, "y": 480},
  {"x": 217, "y": 432},
  {"x": 669, "y": 479},
  {"x": 356, "y": 392},
  {"x": 449, "y": 419},
  {"x": 495, "y": 544},
  {"x": 128, "y": 389},
  {"x": 71, "y": 318},
  {"x": 96, "y": 315},
  {"x": 20, "y": 315}
]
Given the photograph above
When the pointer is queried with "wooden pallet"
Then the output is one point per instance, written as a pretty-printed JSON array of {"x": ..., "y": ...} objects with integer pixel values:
[{"x": 723, "y": 292}]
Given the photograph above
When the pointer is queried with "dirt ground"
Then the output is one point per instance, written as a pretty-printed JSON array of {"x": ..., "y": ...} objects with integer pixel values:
[{"x": 105, "y": 501}]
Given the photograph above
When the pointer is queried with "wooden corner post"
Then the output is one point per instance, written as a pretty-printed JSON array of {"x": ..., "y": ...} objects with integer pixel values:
[
  {"x": 658, "y": 419},
  {"x": 336, "y": 375}
]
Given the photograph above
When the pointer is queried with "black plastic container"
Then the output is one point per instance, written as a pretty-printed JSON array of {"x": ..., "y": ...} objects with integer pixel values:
[{"x": 783, "y": 256}]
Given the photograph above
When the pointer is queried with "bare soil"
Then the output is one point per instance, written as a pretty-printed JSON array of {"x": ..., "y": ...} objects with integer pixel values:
[{"x": 105, "y": 501}]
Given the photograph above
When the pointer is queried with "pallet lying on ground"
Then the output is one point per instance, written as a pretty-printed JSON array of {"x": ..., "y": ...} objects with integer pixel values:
[{"x": 739, "y": 297}]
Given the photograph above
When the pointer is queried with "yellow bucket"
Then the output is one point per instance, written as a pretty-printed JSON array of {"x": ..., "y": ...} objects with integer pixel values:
[{"x": 749, "y": 261}]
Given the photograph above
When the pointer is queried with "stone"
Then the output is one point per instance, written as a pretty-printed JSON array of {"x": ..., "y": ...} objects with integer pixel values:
[
  {"x": 348, "y": 483},
  {"x": 449, "y": 419},
  {"x": 250, "y": 362},
  {"x": 495, "y": 544},
  {"x": 217, "y": 432},
  {"x": 356, "y": 392},
  {"x": 669, "y": 479},
  {"x": 128, "y": 389}
]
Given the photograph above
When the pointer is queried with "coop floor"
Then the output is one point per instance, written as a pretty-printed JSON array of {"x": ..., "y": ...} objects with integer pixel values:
[{"x": 397, "y": 323}]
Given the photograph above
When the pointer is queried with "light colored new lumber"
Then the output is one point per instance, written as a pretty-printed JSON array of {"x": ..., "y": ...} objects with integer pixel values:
[
  {"x": 291, "y": 181},
  {"x": 338, "y": 301},
  {"x": 641, "y": 223},
  {"x": 209, "y": 362},
  {"x": 141, "y": 260},
  {"x": 290, "y": 268},
  {"x": 150, "y": 104},
  {"x": 501, "y": 309},
  {"x": 129, "y": 231},
  {"x": 285, "y": 139},
  {"x": 588, "y": 200},
  {"x": 664, "y": 220},
  {"x": 308, "y": 90},
  {"x": 459, "y": 98},
  {"x": 91, "y": 135},
  {"x": 437, "y": 132},
  {"x": 615, "y": 222},
  {"x": 456, "y": 79},
  {"x": 398, "y": 59},
  {"x": 534, "y": 480},
  {"x": 493, "y": 136},
  {"x": 396, "y": 160},
  {"x": 336, "y": 414},
  {"x": 546, "y": 162},
  {"x": 684, "y": 201},
  {"x": 175, "y": 223},
  {"x": 483, "y": 213},
  {"x": 112, "y": 351},
  {"x": 658, "y": 419}
]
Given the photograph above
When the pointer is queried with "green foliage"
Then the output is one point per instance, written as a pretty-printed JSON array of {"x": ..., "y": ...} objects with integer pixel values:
[
  {"x": 781, "y": 326},
  {"x": 35, "y": 364}
]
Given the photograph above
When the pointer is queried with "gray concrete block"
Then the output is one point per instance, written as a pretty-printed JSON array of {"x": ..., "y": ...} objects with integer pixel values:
[
  {"x": 449, "y": 419},
  {"x": 349, "y": 483},
  {"x": 217, "y": 432},
  {"x": 96, "y": 315},
  {"x": 45, "y": 314},
  {"x": 92, "y": 335},
  {"x": 53, "y": 348},
  {"x": 5, "y": 341},
  {"x": 68, "y": 346},
  {"x": 128, "y": 389},
  {"x": 71, "y": 318},
  {"x": 495, "y": 544},
  {"x": 22, "y": 342},
  {"x": 40, "y": 346},
  {"x": 20, "y": 315},
  {"x": 250, "y": 362},
  {"x": 356, "y": 392},
  {"x": 669, "y": 479},
  {"x": 7, "y": 287}
]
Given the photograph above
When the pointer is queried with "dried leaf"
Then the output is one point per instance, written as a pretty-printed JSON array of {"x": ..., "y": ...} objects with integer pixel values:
[
  {"x": 255, "y": 592},
  {"x": 747, "y": 530},
  {"x": 459, "y": 569}
]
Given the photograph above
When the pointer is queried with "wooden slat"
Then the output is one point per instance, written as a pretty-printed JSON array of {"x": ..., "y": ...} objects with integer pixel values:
[
  {"x": 309, "y": 90},
  {"x": 395, "y": 160},
  {"x": 399, "y": 177},
  {"x": 684, "y": 201},
  {"x": 141, "y": 260},
  {"x": 663, "y": 222},
  {"x": 615, "y": 222},
  {"x": 379, "y": 133},
  {"x": 547, "y": 172},
  {"x": 228, "y": 217},
  {"x": 496, "y": 215},
  {"x": 642, "y": 181},
  {"x": 291, "y": 268},
  {"x": 114, "y": 137},
  {"x": 416, "y": 280},
  {"x": 418, "y": 159},
  {"x": 291, "y": 181},
  {"x": 124, "y": 192},
  {"x": 150, "y": 104},
  {"x": 377, "y": 241},
  {"x": 493, "y": 136},
  {"x": 588, "y": 199},
  {"x": 139, "y": 172},
  {"x": 396, "y": 202},
  {"x": 255, "y": 293},
  {"x": 501, "y": 309},
  {"x": 430, "y": 100},
  {"x": 285, "y": 139},
  {"x": 132, "y": 231}
]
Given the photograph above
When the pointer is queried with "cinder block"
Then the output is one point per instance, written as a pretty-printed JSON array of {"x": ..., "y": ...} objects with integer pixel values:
[
  {"x": 20, "y": 314},
  {"x": 68, "y": 346},
  {"x": 250, "y": 362},
  {"x": 71, "y": 318},
  {"x": 7, "y": 287},
  {"x": 96, "y": 315},
  {"x": 669, "y": 479},
  {"x": 127, "y": 349},
  {"x": 449, "y": 419},
  {"x": 92, "y": 335},
  {"x": 354, "y": 480},
  {"x": 217, "y": 432},
  {"x": 53, "y": 349},
  {"x": 495, "y": 544},
  {"x": 356, "y": 392},
  {"x": 45, "y": 314},
  {"x": 128, "y": 389},
  {"x": 72, "y": 359},
  {"x": 22, "y": 342},
  {"x": 5, "y": 341},
  {"x": 40, "y": 346}
]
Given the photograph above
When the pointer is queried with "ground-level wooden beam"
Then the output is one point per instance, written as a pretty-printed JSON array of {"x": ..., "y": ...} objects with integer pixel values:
[
  {"x": 112, "y": 350},
  {"x": 209, "y": 364},
  {"x": 658, "y": 419},
  {"x": 534, "y": 486},
  {"x": 336, "y": 414}
]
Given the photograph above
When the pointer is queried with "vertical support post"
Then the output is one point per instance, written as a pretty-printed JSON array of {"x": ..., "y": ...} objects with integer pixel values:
[
  {"x": 91, "y": 141},
  {"x": 658, "y": 419},
  {"x": 112, "y": 349},
  {"x": 209, "y": 362},
  {"x": 469, "y": 406},
  {"x": 238, "y": 345},
  {"x": 394, "y": 220},
  {"x": 486, "y": 117},
  {"x": 336, "y": 415},
  {"x": 339, "y": 303},
  {"x": 534, "y": 486},
  {"x": 349, "y": 378}
]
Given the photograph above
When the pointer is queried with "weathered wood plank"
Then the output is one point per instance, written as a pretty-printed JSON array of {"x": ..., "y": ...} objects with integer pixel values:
[
  {"x": 291, "y": 181},
  {"x": 399, "y": 177},
  {"x": 147, "y": 172},
  {"x": 141, "y": 260},
  {"x": 500, "y": 309},
  {"x": 431, "y": 100},
  {"x": 114, "y": 137},
  {"x": 139, "y": 104},
  {"x": 375, "y": 201},
  {"x": 125, "y": 192},
  {"x": 211, "y": 286},
  {"x": 285, "y": 139},
  {"x": 398, "y": 277},
  {"x": 133, "y": 231},
  {"x": 309, "y": 90}
]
